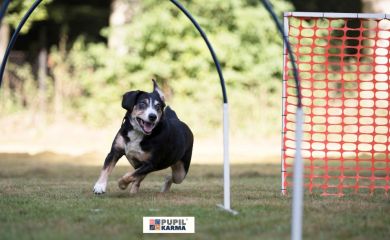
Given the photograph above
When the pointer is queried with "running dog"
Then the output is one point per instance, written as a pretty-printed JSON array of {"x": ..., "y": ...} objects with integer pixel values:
[{"x": 152, "y": 138}]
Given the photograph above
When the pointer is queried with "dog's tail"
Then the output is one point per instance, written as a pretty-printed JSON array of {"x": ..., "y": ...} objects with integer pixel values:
[{"x": 169, "y": 113}]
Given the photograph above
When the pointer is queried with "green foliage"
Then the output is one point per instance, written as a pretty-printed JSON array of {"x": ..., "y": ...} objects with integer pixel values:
[
  {"x": 22, "y": 93},
  {"x": 18, "y": 8},
  {"x": 167, "y": 46},
  {"x": 163, "y": 44}
]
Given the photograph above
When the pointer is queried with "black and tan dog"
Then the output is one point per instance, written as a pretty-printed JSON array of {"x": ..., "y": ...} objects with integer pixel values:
[{"x": 152, "y": 138}]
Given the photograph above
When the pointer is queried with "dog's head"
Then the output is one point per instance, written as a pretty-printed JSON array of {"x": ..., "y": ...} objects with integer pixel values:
[{"x": 146, "y": 109}]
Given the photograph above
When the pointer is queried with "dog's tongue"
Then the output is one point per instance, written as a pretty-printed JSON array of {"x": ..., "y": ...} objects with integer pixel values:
[{"x": 148, "y": 127}]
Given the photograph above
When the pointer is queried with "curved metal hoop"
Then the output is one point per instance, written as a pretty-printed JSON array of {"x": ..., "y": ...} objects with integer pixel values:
[
  {"x": 297, "y": 203},
  {"x": 268, "y": 6},
  {"x": 226, "y": 163}
]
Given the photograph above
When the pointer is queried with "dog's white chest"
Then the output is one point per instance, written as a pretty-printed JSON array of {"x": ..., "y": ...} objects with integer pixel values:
[{"x": 133, "y": 148}]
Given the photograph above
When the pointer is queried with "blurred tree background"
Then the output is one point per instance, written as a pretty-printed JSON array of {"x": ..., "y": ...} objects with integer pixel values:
[{"x": 75, "y": 59}]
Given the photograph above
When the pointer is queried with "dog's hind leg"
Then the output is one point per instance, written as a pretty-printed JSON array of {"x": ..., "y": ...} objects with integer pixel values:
[
  {"x": 179, "y": 171},
  {"x": 167, "y": 184},
  {"x": 109, "y": 164},
  {"x": 177, "y": 177}
]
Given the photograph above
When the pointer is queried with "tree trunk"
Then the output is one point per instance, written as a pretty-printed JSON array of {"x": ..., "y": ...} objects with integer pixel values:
[
  {"x": 4, "y": 39},
  {"x": 122, "y": 12},
  {"x": 60, "y": 73},
  {"x": 42, "y": 71}
]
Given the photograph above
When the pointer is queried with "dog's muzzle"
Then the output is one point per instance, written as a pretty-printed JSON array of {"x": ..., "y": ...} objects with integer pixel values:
[{"x": 146, "y": 126}]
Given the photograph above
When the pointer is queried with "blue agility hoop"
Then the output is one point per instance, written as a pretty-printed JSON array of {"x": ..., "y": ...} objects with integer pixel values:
[
  {"x": 297, "y": 202},
  {"x": 226, "y": 163},
  {"x": 268, "y": 6}
]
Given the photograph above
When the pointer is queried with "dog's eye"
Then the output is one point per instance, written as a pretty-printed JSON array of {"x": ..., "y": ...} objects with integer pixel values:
[
  {"x": 142, "y": 105},
  {"x": 157, "y": 106}
]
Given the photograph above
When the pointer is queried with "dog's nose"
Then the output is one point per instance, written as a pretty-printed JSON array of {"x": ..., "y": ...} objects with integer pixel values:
[{"x": 152, "y": 117}]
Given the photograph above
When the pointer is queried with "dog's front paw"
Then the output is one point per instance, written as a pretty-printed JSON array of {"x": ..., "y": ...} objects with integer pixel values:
[{"x": 99, "y": 188}]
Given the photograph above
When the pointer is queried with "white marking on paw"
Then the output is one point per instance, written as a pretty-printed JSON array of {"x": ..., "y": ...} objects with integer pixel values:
[{"x": 99, "y": 188}]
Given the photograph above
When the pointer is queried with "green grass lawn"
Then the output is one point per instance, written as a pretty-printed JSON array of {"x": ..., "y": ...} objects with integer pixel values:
[{"x": 41, "y": 200}]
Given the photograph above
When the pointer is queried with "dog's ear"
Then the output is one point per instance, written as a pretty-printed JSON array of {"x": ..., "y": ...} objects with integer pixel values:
[
  {"x": 129, "y": 99},
  {"x": 158, "y": 90}
]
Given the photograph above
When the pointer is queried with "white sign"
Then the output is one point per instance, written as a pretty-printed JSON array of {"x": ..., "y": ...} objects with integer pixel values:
[{"x": 168, "y": 224}]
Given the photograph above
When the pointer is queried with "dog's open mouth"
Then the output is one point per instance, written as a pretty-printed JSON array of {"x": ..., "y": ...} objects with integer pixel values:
[{"x": 147, "y": 127}]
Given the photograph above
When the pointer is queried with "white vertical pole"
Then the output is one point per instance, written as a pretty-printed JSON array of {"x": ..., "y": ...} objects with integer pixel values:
[
  {"x": 226, "y": 162},
  {"x": 297, "y": 204}
]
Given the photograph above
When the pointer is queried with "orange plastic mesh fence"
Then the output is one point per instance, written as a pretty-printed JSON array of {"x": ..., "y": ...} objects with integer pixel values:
[{"x": 344, "y": 70}]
